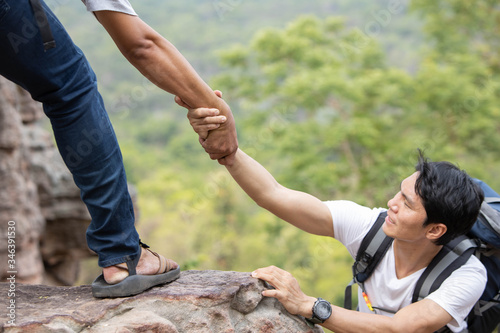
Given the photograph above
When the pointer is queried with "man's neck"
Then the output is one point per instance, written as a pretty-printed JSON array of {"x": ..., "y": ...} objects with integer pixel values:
[{"x": 413, "y": 256}]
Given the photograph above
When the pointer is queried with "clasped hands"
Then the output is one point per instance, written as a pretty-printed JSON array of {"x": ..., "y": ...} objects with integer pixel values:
[{"x": 203, "y": 120}]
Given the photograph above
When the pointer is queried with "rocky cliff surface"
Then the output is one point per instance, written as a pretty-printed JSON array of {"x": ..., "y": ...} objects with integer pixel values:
[
  {"x": 38, "y": 198},
  {"x": 199, "y": 301}
]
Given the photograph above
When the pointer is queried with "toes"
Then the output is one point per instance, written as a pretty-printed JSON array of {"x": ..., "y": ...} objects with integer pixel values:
[
  {"x": 166, "y": 265},
  {"x": 171, "y": 265}
]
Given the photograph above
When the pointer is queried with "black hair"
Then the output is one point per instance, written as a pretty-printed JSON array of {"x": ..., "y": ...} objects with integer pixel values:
[{"x": 449, "y": 196}]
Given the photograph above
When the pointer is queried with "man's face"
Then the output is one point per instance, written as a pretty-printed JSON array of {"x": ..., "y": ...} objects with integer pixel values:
[{"x": 406, "y": 214}]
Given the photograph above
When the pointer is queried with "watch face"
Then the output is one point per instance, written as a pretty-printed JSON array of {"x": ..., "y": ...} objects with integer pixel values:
[{"x": 323, "y": 310}]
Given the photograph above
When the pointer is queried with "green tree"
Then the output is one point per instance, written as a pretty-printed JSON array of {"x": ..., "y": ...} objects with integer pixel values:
[
  {"x": 463, "y": 27},
  {"x": 459, "y": 82}
]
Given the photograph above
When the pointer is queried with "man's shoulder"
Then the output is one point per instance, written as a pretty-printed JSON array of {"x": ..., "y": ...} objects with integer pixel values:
[
  {"x": 471, "y": 273},
  {"x": 351, "y": 222},
  {"x": 475, "y": 266},
  {"x": 122, "y": 6},
  {"x": 460, "y": 291},
  {"x": 352, "y": 213}
]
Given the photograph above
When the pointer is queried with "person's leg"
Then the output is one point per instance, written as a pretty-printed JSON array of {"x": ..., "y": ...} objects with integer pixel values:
[{"x": 63, "y": 81}]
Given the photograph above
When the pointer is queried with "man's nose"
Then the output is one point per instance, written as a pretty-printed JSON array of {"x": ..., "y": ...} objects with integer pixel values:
[{"x": 392, "y": 204}]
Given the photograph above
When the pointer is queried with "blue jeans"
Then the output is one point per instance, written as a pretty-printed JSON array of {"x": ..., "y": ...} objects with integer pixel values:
[{"x": 62, "y": 80}]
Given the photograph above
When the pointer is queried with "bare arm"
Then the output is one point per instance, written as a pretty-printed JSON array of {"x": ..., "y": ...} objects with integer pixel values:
[
  {"x": 424, "y": 316},
  {"x": 158, "y": 60},
  {"x": 298, "y": 208}
]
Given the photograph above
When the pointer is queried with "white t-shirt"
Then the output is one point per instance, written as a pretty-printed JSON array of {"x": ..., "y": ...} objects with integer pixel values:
[
  {"x": 457, "y": 294},
  {"x": 122, "y": 6}
]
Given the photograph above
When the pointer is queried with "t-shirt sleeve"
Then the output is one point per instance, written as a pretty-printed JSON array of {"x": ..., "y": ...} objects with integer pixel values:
[
  {"x": 351, "y": 222},
  {"x": 122, "y": 6},
  {"x": 460, "y": 291}
]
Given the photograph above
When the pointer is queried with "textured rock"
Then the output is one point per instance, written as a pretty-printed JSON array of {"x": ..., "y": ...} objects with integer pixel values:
[
  {"x": 199, "y": 301},
  {"x": 18, "y": 194},
  {"x": 39, "y": 194}
]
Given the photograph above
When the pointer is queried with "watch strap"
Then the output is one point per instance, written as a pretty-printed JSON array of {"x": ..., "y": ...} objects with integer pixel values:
[{"x": 314, "y": 319}]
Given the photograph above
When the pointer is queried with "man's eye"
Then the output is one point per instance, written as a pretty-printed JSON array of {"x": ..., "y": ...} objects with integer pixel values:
[{"x": 406, "y": 204}]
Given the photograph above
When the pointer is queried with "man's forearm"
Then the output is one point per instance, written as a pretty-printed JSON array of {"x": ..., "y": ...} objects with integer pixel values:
[
  {"x": 422, "y": 317},
  {"x": 297, "y": 208},
  {"x": 253, "y": 178},
  {"x": 157, "y": 59},
  {"x": 348, "y": 321},
  {"x": 160, "y": 61}
]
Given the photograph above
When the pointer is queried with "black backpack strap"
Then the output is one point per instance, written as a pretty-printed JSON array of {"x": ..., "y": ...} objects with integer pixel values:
[
  {"x": 452, "y": 256},
  {"x": 43, "y": 25},
  {"x": 373, "y": 247},
  {"x": 348, "y": 295}
]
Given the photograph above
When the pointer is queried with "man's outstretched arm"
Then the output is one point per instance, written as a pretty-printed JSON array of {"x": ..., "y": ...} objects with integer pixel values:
[
  {"x": 297, "y": 208},
  {"x": 159, "y": 61}
]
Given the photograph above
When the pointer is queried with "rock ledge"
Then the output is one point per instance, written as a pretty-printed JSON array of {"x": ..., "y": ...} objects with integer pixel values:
[{"x": 199, "y": 301}]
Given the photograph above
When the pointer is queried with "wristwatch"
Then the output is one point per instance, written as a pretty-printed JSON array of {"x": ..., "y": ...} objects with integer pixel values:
[{"x": 322, "y": 310}]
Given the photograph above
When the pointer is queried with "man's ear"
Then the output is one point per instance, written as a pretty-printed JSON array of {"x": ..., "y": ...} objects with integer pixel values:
[{"x": 435, "y": 231}]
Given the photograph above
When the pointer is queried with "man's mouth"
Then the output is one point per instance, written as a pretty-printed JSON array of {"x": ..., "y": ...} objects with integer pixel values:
[{"x": 388, "y": 220}]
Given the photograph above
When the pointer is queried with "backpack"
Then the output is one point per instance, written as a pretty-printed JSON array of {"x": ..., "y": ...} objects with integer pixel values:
[{"x": 483, "y": 241}]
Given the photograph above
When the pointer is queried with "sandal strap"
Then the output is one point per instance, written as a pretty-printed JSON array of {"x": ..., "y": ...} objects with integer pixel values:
[
  {"x": 165, "y": 264},
  {"x": 132, "y": 264}
]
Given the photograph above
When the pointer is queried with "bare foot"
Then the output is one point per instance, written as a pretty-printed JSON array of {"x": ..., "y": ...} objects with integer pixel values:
[{"x": 148, "y": 264}]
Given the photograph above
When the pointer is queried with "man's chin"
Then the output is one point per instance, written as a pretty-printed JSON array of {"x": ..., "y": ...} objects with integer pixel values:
[{"x": 386, "y": 227}]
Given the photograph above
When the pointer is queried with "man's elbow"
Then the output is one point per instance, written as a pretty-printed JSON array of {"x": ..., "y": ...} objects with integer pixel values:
[
  {"x": 269, "y": 198},
  {"x": 141, "y": 50},
  {"x": 262, "y": 201}
]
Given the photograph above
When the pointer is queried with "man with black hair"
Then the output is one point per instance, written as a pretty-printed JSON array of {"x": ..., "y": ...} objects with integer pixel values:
[
  {"x": 39, "y": 55},
  {"x": 435, "y": 204}
]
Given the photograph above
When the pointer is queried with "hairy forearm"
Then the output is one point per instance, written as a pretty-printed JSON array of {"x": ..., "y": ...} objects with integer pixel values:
[
  {"x": 160, "y": 61},
  {"x": 163, "y": 64}
]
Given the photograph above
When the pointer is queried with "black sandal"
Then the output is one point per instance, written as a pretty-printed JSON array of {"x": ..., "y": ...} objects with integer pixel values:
[{"x": 135, "y": 284}]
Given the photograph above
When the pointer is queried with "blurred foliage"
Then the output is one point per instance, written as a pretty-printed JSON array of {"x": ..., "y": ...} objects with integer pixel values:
[{"x": 334, "y": 103}]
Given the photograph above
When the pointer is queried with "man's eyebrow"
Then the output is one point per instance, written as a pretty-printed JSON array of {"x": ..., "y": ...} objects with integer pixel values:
[{"x": 404, "y": 195}]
